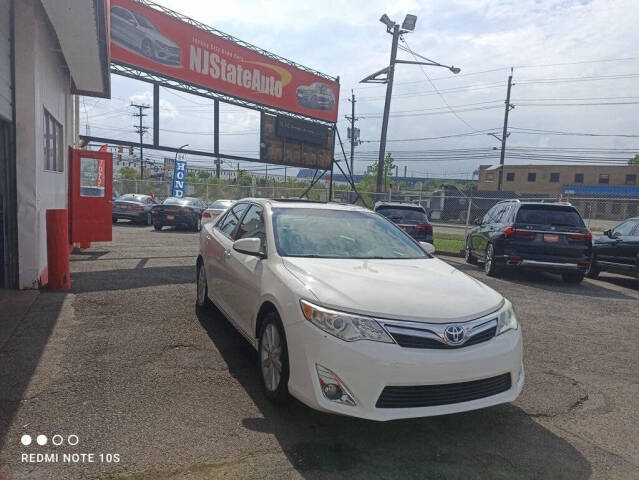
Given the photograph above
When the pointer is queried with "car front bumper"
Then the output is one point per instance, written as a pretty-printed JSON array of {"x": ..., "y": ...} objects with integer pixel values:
[{"x": 367, "y": 367}]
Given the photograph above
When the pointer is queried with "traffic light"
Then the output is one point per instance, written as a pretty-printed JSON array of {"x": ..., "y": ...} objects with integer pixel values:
[
  {"x": 130, "y": 149},
  {"x": 120, "y": 148}
]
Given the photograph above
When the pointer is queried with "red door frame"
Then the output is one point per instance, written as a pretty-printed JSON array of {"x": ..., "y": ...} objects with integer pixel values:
[{"x": 90, "y": 212}]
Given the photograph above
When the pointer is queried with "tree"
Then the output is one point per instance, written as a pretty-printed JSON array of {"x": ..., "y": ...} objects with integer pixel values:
[
  {"x": 389, "y": 168},
  {"x": 634, "y": 160},
  {"x": 130, "y": 173}
]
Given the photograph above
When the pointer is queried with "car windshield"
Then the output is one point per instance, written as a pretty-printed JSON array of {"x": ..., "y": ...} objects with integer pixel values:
[
  {"x": 131, "y": 197},
  {"x": 403, "y": 215},
  {"x": 179, "y": 201},
  {"x": 549, "y": 215},
  {"x": 219, "y": 204},
  {"x": 323, "y": 233}
]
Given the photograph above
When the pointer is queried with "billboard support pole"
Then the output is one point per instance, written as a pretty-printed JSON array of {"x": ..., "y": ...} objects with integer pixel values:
[
  {"x": 216, "y": 136},
  {"x": 156, "y": 114}
]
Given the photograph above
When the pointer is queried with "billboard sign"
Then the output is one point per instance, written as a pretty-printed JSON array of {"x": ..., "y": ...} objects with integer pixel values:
[
  {"x": 153, "y": 41},
  {"x": 295, "y": 142},
  {"x": 179, "y": 179}
]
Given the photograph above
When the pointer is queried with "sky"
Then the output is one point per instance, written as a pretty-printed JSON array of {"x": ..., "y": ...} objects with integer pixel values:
[{"x": 575, "y": 71}]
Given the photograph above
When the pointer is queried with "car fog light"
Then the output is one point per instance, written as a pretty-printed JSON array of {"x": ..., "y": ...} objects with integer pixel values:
[
  {"x": 332, "y": 391},
  {"x": 333, "y": 388}
]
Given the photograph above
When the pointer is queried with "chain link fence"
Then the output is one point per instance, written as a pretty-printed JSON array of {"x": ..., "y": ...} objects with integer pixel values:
[{"x": 456, "y": 211}]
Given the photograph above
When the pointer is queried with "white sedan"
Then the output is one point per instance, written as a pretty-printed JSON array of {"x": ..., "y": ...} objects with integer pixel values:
[
  {"x": 214, "y": 210},
  {"x": 350, "y": 315}
]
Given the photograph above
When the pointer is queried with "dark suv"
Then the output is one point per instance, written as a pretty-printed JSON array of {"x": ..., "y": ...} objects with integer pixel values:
[
  {"x": 410, "y": 217},
  {"x": 543, "y": 236},
  {"x": 617, "y": 250}
]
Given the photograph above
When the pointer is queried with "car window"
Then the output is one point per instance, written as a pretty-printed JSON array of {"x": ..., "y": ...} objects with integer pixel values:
[
  {"x": 252, "y": 225},
  {"x": 403, "y": 215},
  {"x": 219, "y": 204},
  {"x": 232, "y": 219},
  {"x": 553, "y": 215},
  {"x": 327, "y": 233},
  {"x": 494, "y": 214},
  {"x": 625, "y": 228}
]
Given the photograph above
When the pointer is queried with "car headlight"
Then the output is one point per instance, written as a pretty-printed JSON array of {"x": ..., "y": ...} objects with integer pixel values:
[
  {"x": 342, "y": 325},
  {"x": 507, "y": 320}
]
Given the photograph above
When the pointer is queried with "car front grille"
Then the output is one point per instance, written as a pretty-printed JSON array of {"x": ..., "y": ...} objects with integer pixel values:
[
  {"x": 410, "y": 341},
  {"x": 446, "y": 394},
  {"x": 432, "y": 335}
]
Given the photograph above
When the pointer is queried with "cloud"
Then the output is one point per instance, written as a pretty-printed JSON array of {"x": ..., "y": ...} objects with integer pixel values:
[{"x": 483, "y": 37}]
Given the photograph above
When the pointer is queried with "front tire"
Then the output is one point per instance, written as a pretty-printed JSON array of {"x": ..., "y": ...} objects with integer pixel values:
[
  {"x": 273, "y": 358},
  {"x": 202, "y": 292},
  {"x": 115, "y": 220},
  {"x": 157, "y": 227},
  {"x": 572, "y": 278},
  {"x": 490, "y": 266},
  {"x": 470, "y": 258}
]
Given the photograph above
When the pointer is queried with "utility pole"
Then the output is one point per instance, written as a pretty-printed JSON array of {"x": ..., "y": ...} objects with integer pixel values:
[
  {"x": 141, "y": 130},
  {"x": 354, "y": 134},
  {"x": 405, "y": 167},
  {"x": 504, "y": 134}
]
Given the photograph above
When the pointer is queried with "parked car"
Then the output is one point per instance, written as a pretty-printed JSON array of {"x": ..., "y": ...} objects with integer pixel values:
[
  {"x": 410, "y": 217},
  {"x": 351, "y": 315},
  {"x": 543, "y": 236},
  {"x": 183, "y": 212},
  {"x": 134, "y": 207},
  {"x": 617, "y": 250},
  {"x": 317, "y": 96},
  {"x": 132, "y": 30},
  {"x": 216, "y": 209}
]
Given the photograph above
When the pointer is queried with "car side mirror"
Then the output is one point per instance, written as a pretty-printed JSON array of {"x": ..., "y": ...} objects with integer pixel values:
[
  {"x": 608, "y": 233},
  {"x": 249, "y": 246},
  {"x": 428, "y": 247},
  {"x": 478, "y": 221}
]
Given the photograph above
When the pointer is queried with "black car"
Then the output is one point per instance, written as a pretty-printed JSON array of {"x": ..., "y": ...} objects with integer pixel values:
[
  {"x": 181, "y": 212},
  {"x": 134, "y": 207},
  {"x": 409, "y": 217},
  {"x": 617, "y": 250},
  {"x": 543, "y": 236}
]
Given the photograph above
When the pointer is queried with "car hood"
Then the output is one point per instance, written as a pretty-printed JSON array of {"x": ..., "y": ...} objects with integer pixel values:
[
  {"x": 155, "y": 35},
  {"x": 422, "y": 290}
]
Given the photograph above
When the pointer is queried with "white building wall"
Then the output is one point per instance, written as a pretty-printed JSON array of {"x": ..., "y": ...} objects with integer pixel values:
[{"x": 42, "y": 81}]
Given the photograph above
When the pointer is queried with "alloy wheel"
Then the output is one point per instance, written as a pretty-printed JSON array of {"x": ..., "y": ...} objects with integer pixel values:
[{"x": 271, "y": 357}]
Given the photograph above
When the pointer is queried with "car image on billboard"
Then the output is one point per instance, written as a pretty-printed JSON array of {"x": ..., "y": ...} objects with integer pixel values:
[
  {"x": 316, "y": 96},
  {"x": 132, "y": 30}
]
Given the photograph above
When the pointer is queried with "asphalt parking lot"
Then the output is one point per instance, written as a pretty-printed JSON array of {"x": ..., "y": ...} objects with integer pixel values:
[{"x": 125, "y": 362}]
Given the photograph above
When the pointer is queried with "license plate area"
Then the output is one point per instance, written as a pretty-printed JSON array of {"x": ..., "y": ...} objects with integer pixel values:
[
  {"x": 551, "y": 238},
  {"x": 170, "y": 217}
]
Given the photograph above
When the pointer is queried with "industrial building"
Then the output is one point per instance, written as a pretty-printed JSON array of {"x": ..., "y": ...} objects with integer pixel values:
[{"x": 46, "y": 61}]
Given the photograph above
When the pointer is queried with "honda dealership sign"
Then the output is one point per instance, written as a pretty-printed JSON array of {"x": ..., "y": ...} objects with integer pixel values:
[{"x": 151, "y": 40}]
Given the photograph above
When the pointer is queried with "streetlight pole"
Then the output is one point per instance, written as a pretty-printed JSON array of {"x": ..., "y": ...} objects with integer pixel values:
[
  {"x": 387, "y": 101},
  {"x": 378, "y": 77}
]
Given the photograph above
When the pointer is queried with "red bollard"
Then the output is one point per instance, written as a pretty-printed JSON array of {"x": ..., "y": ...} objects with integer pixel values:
[{"x": 58, "y": 249}]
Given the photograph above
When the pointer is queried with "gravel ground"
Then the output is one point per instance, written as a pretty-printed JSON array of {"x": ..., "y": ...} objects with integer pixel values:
[{"x": 126, "y": 363}]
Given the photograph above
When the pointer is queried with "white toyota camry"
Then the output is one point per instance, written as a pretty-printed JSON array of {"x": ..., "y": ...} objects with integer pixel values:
[{"x": 350, "y": 315}]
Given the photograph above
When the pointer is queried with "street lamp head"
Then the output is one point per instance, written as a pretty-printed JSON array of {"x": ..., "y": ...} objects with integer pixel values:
[
  {"x": 455, "y": 70},
  {"x": 387, "y": 21},
  {"x": 409, "y": 22}
]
